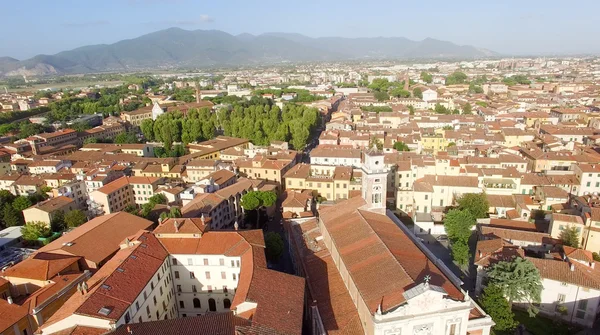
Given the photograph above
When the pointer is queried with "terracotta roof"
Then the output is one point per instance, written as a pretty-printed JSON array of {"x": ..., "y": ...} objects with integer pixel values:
[
  {"x": 82, "y": 330},
  {"x": 517, "y": 235},
  {"x": 99, "y": 238},
  {"x": 578, "y": 254},
  {"x": 581, "y": 275},
  {"x": 374, "y": 249},
  {"x": 212, "y": 323},
  {"x": 184, "y": 226},
  {"x": 41, "y": 266},
  {"x": 291, "y": 198},
  {"x": 53, "y": 204},
  {"x": 513, "y": 224},
  {"x": 11, "y": 314},
  {"x": 230, "y": 243}
]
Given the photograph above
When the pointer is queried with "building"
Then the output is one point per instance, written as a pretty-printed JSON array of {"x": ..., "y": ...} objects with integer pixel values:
[
  {"x": 367, "y": 274},
  {"x": 327, "y": 182},
  {"x": 45, "y": 211},
  {"x": 125, "y": 191}
]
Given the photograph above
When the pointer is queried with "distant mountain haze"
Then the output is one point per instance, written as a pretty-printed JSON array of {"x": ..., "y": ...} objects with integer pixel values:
[{"x": 175, "y": 47}]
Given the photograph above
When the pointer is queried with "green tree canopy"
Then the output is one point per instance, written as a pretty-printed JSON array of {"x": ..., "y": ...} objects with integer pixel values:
[
  {"x": 274, "y": 246},
  {"x": 401, "y": 146},
  {"x": 381, "y": 96},
  {"x": 400, "y": 92},
  {"x": 493, "y": 302},
  {"x": 126, "y": 138},
  {"x": 58, "y": 221},
  {"x": 426, "y": 77},
  {"x": 418, "y": 93},
  {"x": 476, "y": 203},
  {"x": 380, "y": 85},
  {"x": 519, "y": 281},
  {"x": 456, "y": 78},
  {"x": 570, "y": 236},
  {"x": 34, "y": 230},
  {"x": 21, "y": 202},
  {"x": 458, "y": 224},
  {"x": 460, "y": 252},
  {"x": 75, "y": 218},
  {"x": 11, "y": 217},
  {"x": 374, "y": 141},
  {"x": 467, "y": 108}
]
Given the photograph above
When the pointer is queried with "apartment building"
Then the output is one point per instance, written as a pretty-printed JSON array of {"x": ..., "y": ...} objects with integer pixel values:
[
  {"x": 588, "y": 176},
  {"x": 45, "y": 211},
  {"x": 111, "y": 297},
  {"x": 336, "y": 156},
  {"x": 48, "y": 166},
  {"x": 125, "y": 191},
  {"x": 265, "y": 167},
  {"x": 198, "y": 169},
  {"x": 328, "y": 182}
]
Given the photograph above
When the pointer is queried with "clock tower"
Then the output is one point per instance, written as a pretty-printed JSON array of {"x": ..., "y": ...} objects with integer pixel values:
[{"x": 374, "y": 179}]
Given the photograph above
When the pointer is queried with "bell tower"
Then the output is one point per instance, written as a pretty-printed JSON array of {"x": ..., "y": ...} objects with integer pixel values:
[{"x": 374, "y": 179}]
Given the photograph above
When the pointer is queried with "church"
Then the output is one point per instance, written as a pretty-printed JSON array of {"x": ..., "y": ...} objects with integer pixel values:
[{"x": 367, "y": 274}]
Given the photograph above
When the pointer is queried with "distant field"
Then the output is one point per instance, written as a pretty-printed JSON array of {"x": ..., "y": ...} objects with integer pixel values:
[{"x": 74, "y": 84}]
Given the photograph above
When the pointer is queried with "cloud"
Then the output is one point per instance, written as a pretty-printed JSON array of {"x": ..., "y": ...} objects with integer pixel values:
[
  {"x": 86, "y": 24},
  {"x": 202, "y": 19}
]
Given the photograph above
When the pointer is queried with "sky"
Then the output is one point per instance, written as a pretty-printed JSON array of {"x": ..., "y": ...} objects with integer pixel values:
[{"x": 509, "y": 27}]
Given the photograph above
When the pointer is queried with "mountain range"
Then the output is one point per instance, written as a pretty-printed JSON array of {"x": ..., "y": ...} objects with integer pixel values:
[{"x": 179, "y": 48}]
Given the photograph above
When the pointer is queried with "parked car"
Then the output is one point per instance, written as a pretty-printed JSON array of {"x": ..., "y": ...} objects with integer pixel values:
[{"x": 442, "y": 238}]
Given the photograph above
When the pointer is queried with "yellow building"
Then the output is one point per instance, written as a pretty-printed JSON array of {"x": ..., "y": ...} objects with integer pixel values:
[
  {"x": 433, "y": 142},
  {"x": 45, "y": 211},
  {"x": 329, "y": 182}
]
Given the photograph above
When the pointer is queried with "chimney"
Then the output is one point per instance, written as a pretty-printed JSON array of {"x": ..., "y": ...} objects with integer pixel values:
[
  {"x": 176, "y": 225},
  {"x": 572, "y": 266},
  {"x": 84, "y": 287},
  {"x": 10, "y": 300},
  {"x": 129, "y": 330},
  {"x": 236, "y": 226},
  {"x": 203, "y": 219}
]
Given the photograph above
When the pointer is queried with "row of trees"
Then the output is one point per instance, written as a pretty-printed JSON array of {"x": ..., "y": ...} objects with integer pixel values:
[
  {"x": 460, "y": 221},
  {"x": 257, "y": 120},
  {"x": 12, "y": 207}
]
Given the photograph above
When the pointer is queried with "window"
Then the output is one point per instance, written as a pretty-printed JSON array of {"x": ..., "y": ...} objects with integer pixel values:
[
  {"x": 148, "y": 310},
  {"x": 563, "y": 284},
  {"x": 209, "y": 288},
  {"x": 561, "y": 298},
  {"x": 224, "y": 289},
  {"x": 221, "y": 262},
  {"x": 234, "y": 276},
  {"x": 581, "y": 309},
  {"x": 192, "y": 275},
  {"x": 237, "y": 263},
  {"x": 207, "y": 275},
  {"x": 154, "y": 300},
  {"x": 176, "y": 274},
  {"x": 206, "y": 261},
  {"x": 212, "y": 305},
  {"x": 426, "y": 196},
  {"x": 232, "y": 263},
  {"x": 178, "y": 288},
  {"x": 226, "y": 303},
  {"x": 194, "y": 289},
  {"x": 190, "y": 261},
  {"x": 127, "y": 317},
  {"x": 452, "y": 329},
  {"x": 196, "y": 303},
  {"x": 223, "y": 275},
  {"x": 137, "y": 305},
  {"x": 181, "y": 304}
]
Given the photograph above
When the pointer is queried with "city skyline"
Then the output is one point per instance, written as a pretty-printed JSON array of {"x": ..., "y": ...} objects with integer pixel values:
[{"x": 509, "y": 28}]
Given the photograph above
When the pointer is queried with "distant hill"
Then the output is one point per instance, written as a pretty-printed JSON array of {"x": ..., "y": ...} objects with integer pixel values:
[{"x": 175, "y": 47}]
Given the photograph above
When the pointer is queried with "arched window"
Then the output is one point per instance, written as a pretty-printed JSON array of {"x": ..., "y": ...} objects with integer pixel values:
[
  {"x": 196, "y": 303},
  {"x": 212, "y": 305},
  {"x": 226, "y": 303}
]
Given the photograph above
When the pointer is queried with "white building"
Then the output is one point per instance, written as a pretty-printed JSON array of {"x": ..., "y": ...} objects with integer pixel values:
[{"x": 430, "y": 95}]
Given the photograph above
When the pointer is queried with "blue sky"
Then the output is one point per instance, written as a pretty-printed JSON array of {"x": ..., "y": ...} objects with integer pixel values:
[{"x": 513, "y": 27}]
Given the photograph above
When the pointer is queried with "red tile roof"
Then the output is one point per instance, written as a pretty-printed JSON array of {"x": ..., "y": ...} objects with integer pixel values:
[
  {"x": 374, "y": 249},
  {"x": 41, "y": 266}
]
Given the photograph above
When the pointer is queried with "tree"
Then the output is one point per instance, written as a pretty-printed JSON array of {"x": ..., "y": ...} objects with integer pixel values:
[
  {"x": 381, "y": 96},
  {"x": 147, "y": 128},
  {"x": 90, "y": 140},
  {"x": 493, "y": 302},
  {"x": 439, "y": 109},
  {"x": 257, "y": 200},
  {"x": 570, "y": 236},
  {"x": 467, "y": 108},
  {"x": 380, "y": 85},
  {"x": 456, "y": 78},
  {"x": 274, "y": 246},
  {"x": 400, "y": 92},
  {"x": 426, "y": 77},
  {"x": 6, "y": 197},
  {"x": 374, "y": 141},
  {"x": 476, "y": 203},
  {"x": 401, "y": 146},
  {"x": 75, "y": 218},
  {"x": 11, "y": 216},
  {"x": 34, "y": 230},
  {"x": 460, "y": 253},
  {"x": 411, "y": 110},
  {"x": 458, "y": 224},
  {"x": 175, "y": 212},
  {"x": 58, "y": 221},
  {"x": 418, "y": 93},
  {"x": 126, "y": 138},
  {"x": 21, "y": 202},
  {"x": 519, "y": 280}
]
